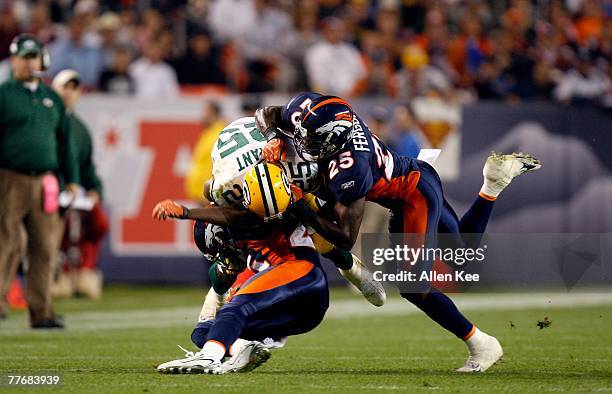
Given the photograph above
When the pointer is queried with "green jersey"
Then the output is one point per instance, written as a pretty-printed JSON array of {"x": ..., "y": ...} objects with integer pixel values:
[
  {"x": 84, "y": 145},
  {"x": 34, "y": 133}
]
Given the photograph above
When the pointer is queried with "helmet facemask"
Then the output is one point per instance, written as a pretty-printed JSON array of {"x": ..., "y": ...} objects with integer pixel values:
[{"x": 315, "y": 146}]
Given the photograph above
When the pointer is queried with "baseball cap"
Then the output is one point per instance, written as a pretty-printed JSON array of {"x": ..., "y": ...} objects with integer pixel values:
[
  {"x": 24, "y": 45},
  {"x": 65, "y": 76}
]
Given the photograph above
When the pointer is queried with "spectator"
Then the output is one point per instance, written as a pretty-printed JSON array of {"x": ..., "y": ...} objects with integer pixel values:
[
  {"x": 388, "y": 24},
  {"x": 232, "y": 19},
  {"x": 202, "y": 62},
  {"x": 153, "y": 78},
  {"x": 583, "y": 83},
  {"x": 152, "y": 24},
  {"x": 333, "y": 65},
  {"x": 116, "y": 79},
  {"x": 196, "y": 14},
  {"x": 467, "y": 50},
  {"x": 40, "y": 23},
  {"x": 379, "y": 65},
  {"x": 379, "y": 123},
  {"x": 406, "y": 132},
  {"x": 71, "y": 51},
  {"x": 93, "y": 225},
  {"x": 265, "y": 46},
  {"x": 250, "y": 103},
  {"x": 590, "y": 24},
  {"x": 107, "y": 26},
  {"x": 36, "y": 148},
  {"x": 200, "y": 169},
  {"x": 304, "y": 34},
  {"x": 417, "y": 76},
  {"x": 9, "y": 28}
]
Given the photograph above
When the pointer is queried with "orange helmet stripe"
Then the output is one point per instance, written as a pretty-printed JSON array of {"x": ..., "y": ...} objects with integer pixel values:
[{"x": 334, "y": 100}]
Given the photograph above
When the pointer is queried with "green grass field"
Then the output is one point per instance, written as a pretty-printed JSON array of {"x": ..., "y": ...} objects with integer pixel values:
[{"x": 114, "y": 345}]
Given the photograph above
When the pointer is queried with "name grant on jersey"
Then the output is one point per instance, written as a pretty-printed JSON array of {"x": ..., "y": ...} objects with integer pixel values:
[{"x": 248, "y": 159}]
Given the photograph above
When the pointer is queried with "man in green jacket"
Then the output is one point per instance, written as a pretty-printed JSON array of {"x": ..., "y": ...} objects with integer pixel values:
[
  {"x": 81, "y": 276},
  {"x": 37, "y": 153}
]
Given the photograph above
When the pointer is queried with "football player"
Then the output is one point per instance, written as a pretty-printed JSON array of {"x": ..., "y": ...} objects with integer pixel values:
[
  {"x": 357, "y": 166},
  {"x": 288, "y": 297},
  {"x": 278, "y": 126},
  {"x": 238, "y": 147}
]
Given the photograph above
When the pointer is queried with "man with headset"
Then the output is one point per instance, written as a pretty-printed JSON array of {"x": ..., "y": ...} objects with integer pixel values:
[{"x": 37, "y": 158}]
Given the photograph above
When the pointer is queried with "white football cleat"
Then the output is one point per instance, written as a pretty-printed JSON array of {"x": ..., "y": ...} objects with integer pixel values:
[
  {"x": 361, "y": 278},
  {"x": 193, "y": 363},
  {"x": 484, "y": 351},
  {"x": 275, "y": 343},
  {"x": 247, "y": 358},
  {"x": 499, "y": 170}
]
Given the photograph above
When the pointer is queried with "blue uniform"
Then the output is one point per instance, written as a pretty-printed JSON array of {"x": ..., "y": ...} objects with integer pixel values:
[
  {"x": 411, "y": 189},
  {"x": 288, "y": 297}
]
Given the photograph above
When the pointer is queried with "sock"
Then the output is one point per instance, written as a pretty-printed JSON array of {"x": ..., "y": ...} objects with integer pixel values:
[
  {"x": 214, "y": 350},
  {"x": 340, "y": 257},
  {"x": 474, "y": 222},
  {"x": 237, "y": 346},
  {"x": 475, "y": 340},
  {"x": 227, "y": 325},
  {"x": 476, "y": 218},
  {"x": 442, "y": 310}
]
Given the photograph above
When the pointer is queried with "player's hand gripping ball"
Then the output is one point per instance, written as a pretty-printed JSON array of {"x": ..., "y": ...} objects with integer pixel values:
[{"x": 169, "y": 209}]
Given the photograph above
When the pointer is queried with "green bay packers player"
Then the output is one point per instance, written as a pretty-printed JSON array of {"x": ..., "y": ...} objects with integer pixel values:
[
  {"x": 238, "y": 147},
  {"x": 287, "y": 297}
]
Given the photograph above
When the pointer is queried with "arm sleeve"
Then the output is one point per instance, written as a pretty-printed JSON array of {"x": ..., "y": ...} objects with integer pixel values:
[
  {"x": 68, "y": 158},
  {"x": 89, "y": 177},
  {"x": 219, "y": 281}
]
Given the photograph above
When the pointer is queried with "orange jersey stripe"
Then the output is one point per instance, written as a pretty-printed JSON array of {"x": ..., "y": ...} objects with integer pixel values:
[
  {"x": 401, "y": 188},
  {"x": 415, "y": 214},
  {"x": 278, "y": 276}
]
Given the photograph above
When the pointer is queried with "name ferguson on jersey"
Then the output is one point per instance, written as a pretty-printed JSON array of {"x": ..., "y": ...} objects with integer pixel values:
[{"x": 359, "y": 139}]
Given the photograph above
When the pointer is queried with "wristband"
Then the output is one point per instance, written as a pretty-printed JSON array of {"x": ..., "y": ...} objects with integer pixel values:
[{"x": 271, "y": 132}]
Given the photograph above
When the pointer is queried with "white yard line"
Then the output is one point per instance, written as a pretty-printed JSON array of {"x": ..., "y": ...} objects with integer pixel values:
[{"x": 340, "y": 309}]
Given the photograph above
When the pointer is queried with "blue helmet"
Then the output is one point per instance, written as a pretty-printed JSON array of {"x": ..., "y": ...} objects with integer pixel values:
[
  {"x": 292, "y": 111},
  {"x": 209, "y": 238},
  {"x": 326, "y": 125}
]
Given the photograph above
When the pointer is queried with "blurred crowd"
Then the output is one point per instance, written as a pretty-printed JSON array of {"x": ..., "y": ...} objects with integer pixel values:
[{"x": 464, "y": 50}]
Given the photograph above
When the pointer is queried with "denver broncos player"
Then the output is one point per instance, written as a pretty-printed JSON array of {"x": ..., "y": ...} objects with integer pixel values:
[
  {"x": 289, "y": 297},
  {"x": 238, "y": 147},
  {"x": 277, "y": 124},
  {"x": 357, "y": 167}
]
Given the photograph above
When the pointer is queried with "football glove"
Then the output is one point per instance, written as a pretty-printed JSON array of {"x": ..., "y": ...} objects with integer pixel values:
[
  {"x": 170, "y": 209},
  {"x": 273, "y": 150}
]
